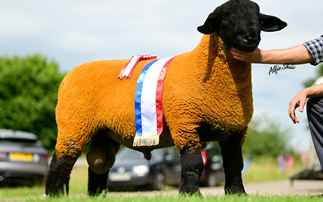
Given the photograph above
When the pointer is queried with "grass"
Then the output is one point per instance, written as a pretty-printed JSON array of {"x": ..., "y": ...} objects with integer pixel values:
[
  {"x": 267, "y": 169},
  {"x": 259, "y": 170},
  {"x": 78, "y": 186},
  {"x": 170, "y": 198}
]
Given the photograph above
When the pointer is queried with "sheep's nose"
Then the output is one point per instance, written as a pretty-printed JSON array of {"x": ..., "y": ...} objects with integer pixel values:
[{"x": 250, "y": 39}]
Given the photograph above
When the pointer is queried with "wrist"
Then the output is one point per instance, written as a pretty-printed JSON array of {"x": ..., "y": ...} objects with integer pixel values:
[{"x": 262, "y": 56}]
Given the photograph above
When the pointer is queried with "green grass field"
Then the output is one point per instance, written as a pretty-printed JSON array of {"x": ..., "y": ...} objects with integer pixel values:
[
  {"x": 259, "y": 170},
  {"x": 170, "y": 198}
]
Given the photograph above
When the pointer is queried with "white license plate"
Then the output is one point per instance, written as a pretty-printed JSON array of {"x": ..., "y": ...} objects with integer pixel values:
[{"x": 119, "y": 177}]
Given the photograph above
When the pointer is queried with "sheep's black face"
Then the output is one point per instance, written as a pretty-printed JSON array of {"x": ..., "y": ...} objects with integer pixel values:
[
  {"x": 239, "y": 23},
  {"x": 240, "y": 27}
]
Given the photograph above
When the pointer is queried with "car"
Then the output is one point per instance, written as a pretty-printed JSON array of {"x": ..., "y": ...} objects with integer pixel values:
[
  {"x": 23, "y": 159},
  {"x": 213, "y": 173},
  {"x": 131, "y": 169}
]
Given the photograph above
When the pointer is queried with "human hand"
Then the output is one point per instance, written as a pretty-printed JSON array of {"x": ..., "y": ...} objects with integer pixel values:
[
  {"x": 298, "y": 101},
  {"x": 251, "y": 57}
]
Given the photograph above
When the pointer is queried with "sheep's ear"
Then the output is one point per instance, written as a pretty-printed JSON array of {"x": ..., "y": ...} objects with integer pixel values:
[
  {"x": 212, "y": 23},
  {"x": 271, "y": 23}
]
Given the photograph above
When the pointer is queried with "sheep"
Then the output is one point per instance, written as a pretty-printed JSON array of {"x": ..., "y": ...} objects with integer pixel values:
[{"x": 207, "y": 96}]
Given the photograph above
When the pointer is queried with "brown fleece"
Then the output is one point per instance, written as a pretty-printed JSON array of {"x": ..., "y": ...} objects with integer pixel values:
[{"x": 204, "y": 86}]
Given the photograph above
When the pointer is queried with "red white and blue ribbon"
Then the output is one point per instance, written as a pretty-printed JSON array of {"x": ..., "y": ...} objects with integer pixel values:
[
  {"x": 148, "y": 103},
  {"x": 128, "y": 68}
]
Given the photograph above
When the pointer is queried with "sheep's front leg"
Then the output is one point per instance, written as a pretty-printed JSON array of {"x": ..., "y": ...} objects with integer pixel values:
[
  {"x": 192, "y": 168},
  {"x": 233, "y": 164},
  {"x": 187, "y": 142}
]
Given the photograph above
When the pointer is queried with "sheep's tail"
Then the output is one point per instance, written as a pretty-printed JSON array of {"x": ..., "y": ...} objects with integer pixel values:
[{"x": 146, "y": 141}]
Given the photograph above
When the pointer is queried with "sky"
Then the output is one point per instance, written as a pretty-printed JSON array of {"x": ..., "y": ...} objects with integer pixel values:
[{"x": 77, "y": 31}]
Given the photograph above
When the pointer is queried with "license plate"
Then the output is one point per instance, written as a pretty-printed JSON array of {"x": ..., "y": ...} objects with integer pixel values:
[
  {"x": 21, "y": 157},
  {"x": 119, "y": 177}
]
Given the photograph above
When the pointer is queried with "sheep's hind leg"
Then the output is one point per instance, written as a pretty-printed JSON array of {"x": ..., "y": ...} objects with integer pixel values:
[
  {"x": 97, "y": 182},
  {"x": 68, "y": 148},
  {"x": 57, "y": 181},
  {"x": 233, "y": 164},
  {"x": 192, "y": 168},
  {"x": 100, "y": 157}
]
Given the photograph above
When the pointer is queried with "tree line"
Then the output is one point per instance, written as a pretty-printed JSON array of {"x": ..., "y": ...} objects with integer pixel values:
[{"x": 28, "y": 95}]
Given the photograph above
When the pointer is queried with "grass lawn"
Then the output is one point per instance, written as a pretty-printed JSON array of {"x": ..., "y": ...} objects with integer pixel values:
[
  {"x": 170, "y": 198},
  {"x": 259, "y": 170}
]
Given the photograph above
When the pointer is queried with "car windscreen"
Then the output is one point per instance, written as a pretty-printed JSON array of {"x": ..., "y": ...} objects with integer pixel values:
[
  {"x": 18, "y": 141},
  {"x": 129, "y": 154}
]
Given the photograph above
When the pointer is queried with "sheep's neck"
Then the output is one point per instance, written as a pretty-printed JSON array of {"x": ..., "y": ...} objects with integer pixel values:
[
  {"x": 213, "y": 56},
  {"x": 227, "y": 83}
]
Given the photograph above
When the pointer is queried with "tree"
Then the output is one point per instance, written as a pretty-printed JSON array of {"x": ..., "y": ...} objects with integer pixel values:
[
  {"x": 309, "y": 82},
  {"x": 266, "y": 138},
  {"x": 28, "y": 95}
]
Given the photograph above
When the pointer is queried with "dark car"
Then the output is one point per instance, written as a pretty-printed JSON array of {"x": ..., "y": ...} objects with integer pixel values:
[
  {"x": 23, "y": 160},
  {"x": 213, "y": 172},
  {"x": 131, "y": 169}
]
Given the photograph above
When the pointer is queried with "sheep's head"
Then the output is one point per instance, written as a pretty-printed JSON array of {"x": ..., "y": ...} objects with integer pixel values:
[{"x": 239, "y": 22}]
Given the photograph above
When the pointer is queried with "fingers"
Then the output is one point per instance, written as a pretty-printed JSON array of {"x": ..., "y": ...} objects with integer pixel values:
[
  {"x": 291, "y": 112},
  {"x": 301, "y": 105},
  {"x": 293, "y": 104},
  {"x": 236, "y": 53},
  {"x": 298, "y": 101},
  {"x": 250, "y": 57},
  {"x": 292, "y": 107}
]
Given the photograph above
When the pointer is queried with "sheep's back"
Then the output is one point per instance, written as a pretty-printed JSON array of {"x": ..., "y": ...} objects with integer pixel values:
[{"x": 91, "y": 97}]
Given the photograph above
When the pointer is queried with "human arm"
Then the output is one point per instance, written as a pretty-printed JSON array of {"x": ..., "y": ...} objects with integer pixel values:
[
  {"x": 300, "y": 99},
  {"x": 294, "y": 55}
]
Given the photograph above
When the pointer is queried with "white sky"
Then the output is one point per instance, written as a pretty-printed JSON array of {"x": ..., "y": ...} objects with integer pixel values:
[{"x": 77, "y": 31}]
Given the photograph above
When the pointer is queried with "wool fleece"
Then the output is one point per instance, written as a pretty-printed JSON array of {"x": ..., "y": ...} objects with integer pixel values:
[{"x": 204, "y": 90}]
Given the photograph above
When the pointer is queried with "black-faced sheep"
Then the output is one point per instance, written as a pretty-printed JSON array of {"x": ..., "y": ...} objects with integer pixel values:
[{"x": 207, "y": 96}]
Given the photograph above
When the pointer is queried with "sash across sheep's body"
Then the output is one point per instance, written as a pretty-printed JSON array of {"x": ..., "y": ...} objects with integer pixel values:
[{"x": 148, "y": 103}]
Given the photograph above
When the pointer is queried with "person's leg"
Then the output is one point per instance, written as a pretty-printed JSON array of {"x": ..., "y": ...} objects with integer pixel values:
[{"x": 315, "y": 120}]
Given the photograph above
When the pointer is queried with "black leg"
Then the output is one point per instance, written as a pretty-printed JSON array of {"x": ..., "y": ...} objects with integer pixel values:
[
  {"x": 100, "y": 157},
  {"x": 59, "y": 175},
  {"x": 97, "y": 182},
  {"x": 233, "y": 164},
  {"x": 192, "y": 168}
]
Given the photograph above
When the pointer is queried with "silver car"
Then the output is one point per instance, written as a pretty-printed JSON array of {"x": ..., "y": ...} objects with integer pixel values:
[{"x": 23, "y": 160}]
